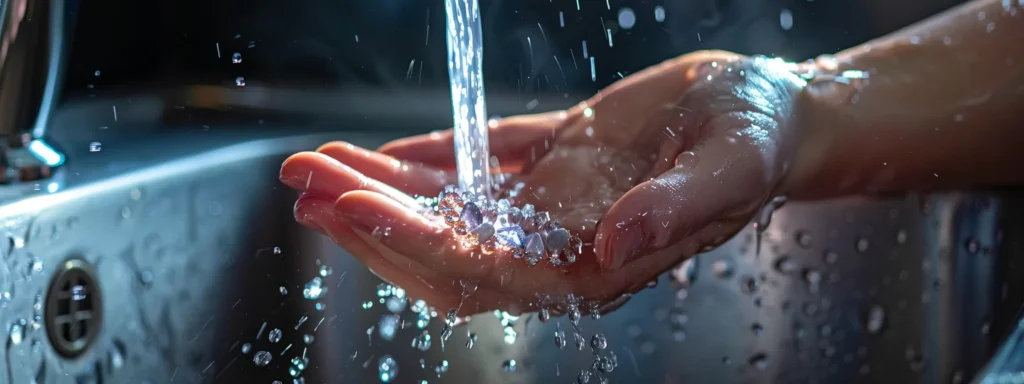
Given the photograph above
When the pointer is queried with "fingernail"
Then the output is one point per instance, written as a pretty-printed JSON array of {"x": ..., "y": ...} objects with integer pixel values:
[{"x": 625, "y": 247}]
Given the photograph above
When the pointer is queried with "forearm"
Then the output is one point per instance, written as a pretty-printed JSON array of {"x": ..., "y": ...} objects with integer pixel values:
[{"x": 941, "y": 108}]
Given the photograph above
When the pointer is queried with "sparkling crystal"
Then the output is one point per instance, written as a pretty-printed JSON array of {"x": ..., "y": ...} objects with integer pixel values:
[
  {"x": 471, "y": 215},
  {"x": 557, "y": 240},
  {"x": 574, "y": 249},
  {"x": 483, "y": 232},
  {"x": 541, "y": 219},
  {"x": 504, "y": 206},
  {"x": 528, "y": 211},
  {"x": 534, "y": 248},
  {"x": 515, "y": 215},
  {"x": 512, "y": 236}
]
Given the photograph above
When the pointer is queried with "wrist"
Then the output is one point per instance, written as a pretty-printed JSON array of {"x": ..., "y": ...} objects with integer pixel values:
[{"x": 820, "y": 166}]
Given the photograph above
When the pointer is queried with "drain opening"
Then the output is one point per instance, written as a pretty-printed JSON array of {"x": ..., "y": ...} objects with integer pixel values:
[{"x": 73, "y": 308}]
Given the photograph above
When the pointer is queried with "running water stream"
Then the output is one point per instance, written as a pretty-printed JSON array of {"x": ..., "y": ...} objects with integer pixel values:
[{"x": 465, "y": 73}]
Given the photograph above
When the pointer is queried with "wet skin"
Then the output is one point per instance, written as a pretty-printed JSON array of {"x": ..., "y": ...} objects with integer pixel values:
[
  {"x": 679, "y": 157},
  {"x": 645, "y": 174}
]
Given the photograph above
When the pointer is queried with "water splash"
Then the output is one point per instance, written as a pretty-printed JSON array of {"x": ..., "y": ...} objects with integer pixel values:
[{"x": 465, "y": 72}]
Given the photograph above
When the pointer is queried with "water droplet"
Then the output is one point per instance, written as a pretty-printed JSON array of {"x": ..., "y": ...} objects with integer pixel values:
[
  {"x": 583, "y": 377},
  {"x": 308, "y": 339},
  {"x": 757, "y": 328},
  {"x": 313, "y": 289},
  {"x": 901, "y": 236},
  {"x": 325, "y": 271},
  {"x": 804, "y": 239},
  {"x": 388, "y": 368},
  {"x": 441, "y": 368},
  {"x": 95, "y": 146},
  {"x": 277, "y": 250},
  {"x": 17, "y": 333},
  {"x": 283, "y": 290},
  {"x": 862, "y": 245},
  {"x": 509, "y": 365},
  {"x": 560, "y": 339},
  {"x": 396, "y": 304},
  {"x": 831, "y": 257},
  {"x": 598, "y": 342},
  {"x": 972, "y": 245},
  {"x": 875, "y": 319},
  {"x": 659, "y": 13},
  {"x": 722, "y": 268},
  {"x": 749, "y": 285},
  {"x": 388, "y": 326},
  {"x": 759, "y": 361},
  {"x": 785, "y": 265},
  {"x": 246, "y": 348},
  {"x": 262, "y": 358},
  {"x": 274, "y": 335},
  {"x": 236, "y": 58},
  {"x": 239, "y": 81},
  {"x": 786, "y": 19},
  {"x": 510, "y": 335},
  {"x": 627, "y": 18},
  {"x": 422, "y": 341}
]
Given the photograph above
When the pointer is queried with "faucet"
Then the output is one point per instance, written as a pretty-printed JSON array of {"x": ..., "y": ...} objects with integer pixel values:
[{"x": 31, "y": 53}]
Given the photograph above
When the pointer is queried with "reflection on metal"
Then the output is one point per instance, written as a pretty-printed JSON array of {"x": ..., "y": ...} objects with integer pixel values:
[
  {"x": 31, "y": 52},
  {"x": 1007, "y": 366}
]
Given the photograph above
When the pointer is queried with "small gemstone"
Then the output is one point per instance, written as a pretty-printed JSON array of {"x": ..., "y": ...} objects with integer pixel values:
[
  {"x": 529, "y": 211},
  {"x": 534, "y": 248},
  {"x": 504, "y": 206},
  {"x": 541, "y": 219},
  {"x": 471, "y": 216},
  {"x": 574, "y": 249},
  {"x": 557, "y": 240},
  {"x": 512, "y": 236},
  {"x": 483, "y": 232},
  {"x": 515, "y": 215}
]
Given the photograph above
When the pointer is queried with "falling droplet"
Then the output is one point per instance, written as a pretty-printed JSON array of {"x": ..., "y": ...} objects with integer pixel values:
[
  {"x": 262, "y": 358},
  {"x": 236, "y": 58},
  {"x": 239, "y": 81},
  {"x": 509, "y": 365},
  {"x": 274, "y": 335},
  {"x": 875, "y": 319},
  {"x": 387, "y": 367}
]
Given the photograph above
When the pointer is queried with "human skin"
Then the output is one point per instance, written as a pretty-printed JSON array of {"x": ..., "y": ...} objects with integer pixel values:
[{"x": 679, "y": 157}]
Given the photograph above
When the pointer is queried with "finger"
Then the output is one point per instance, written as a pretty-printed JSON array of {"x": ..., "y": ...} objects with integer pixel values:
[
  {"x": 729, "y": 176},
  {"x": 514, "y": 140},
  {"x": 322, "y": 175},
  {"x": 408, "y": 233},
  {"x": 317, "y": 211},
  {"x": 411, "y": 177}
]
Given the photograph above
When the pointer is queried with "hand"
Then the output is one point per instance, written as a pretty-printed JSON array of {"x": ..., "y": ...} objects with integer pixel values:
[{"x": 650, "y": 171}]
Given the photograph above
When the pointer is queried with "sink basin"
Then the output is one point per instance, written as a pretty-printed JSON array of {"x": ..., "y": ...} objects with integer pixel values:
[{"x": 177, "y": 268}]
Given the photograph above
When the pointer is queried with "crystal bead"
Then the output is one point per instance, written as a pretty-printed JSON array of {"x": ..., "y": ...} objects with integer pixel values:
[
  {"x": 515, "y": 215},
  {"x": 471, "y": 216},
  {"x": 504, "y": 206},
  {"x": 529, "y": 211},
  {"x": 483, "y": 232},
  {"x": 574, "y": 249},
  {"x": 511, "y": 236},
  {"x": 534, "y": 248},
  {"x": 557, "y": 240}
]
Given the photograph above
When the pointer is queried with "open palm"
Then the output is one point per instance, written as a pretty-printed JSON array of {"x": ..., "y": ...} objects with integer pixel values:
[{"x": 649, "y": 171}]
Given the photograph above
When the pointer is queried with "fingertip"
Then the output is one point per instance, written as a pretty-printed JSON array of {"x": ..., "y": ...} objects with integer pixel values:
[{"x": 336, "y": 146}]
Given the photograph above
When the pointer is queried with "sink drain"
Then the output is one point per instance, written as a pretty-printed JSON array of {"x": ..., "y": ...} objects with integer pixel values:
[{"x": 74, "y": 308}]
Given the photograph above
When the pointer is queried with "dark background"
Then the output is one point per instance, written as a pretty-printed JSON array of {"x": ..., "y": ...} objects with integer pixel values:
[{"x": 138, "y": 45}]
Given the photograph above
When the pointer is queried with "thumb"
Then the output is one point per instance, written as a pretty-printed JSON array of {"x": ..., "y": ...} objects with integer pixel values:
[{"x": 724, "y": 179}]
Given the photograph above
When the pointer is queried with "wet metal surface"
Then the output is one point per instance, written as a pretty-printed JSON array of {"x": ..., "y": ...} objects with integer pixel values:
[{"x": 907, "y": 289}]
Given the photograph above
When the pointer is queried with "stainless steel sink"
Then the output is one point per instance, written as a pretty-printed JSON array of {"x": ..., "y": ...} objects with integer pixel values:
[
  {"x": 143, "y": 254},
  {"x": 910, "y": 289}
]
